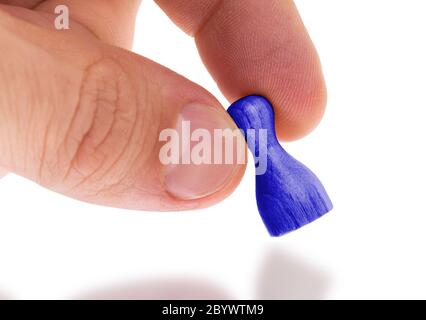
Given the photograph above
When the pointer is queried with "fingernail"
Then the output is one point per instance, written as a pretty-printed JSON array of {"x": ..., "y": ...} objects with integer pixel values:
[{"x": 189, "y": 179}]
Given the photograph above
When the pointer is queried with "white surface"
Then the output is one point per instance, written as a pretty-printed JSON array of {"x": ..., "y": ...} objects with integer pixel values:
[{"x": 369, "y": 152}]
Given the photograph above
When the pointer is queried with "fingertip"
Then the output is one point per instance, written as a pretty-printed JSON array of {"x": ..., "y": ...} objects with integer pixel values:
[
  {"x": 297, "y": 115},
  {"x": 297, "y": 92}
]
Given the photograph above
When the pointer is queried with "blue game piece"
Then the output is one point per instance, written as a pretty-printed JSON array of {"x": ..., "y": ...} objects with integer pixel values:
[{"x": 288, "y": 194}]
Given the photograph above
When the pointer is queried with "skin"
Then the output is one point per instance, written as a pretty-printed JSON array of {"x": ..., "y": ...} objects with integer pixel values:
[{"x": 80, "y": 114}]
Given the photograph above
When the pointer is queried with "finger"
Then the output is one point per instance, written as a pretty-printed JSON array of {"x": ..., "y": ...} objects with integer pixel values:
[
  {"x": 84, "y": 119},
  {"x": 258, "y": 47},
  {"x": 112, "y": 21}
]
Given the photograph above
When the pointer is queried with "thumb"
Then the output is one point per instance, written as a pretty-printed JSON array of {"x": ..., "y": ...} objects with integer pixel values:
[{"x": 86, "y": 119}]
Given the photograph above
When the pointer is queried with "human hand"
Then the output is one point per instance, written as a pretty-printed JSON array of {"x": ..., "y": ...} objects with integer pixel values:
[{"x": 81, "y": 115}]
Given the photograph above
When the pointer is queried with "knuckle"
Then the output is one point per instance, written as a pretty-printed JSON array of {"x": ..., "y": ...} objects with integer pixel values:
[{"x": 98, "y": 142}]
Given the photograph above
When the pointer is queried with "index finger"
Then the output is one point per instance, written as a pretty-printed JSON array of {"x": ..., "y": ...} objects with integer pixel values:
[{"x": 258, "y": 47}]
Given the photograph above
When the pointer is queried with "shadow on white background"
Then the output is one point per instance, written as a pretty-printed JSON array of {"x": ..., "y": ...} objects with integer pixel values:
[
  {"x": 282, "y": 276},
  {"x": 168, "y": 289},
  {"x": 4, "y": 297},
  {"x": 285, "y": 276}
]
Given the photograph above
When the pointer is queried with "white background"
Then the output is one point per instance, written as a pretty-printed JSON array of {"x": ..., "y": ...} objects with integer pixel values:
[{"x": 369, "y": 152}]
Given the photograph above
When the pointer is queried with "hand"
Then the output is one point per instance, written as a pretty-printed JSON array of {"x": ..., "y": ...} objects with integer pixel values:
[{"x": 81, "y": 115}]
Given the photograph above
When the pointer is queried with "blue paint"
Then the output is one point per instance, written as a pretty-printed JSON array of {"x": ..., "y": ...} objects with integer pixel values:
[{"x": 288, "y": 194}]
